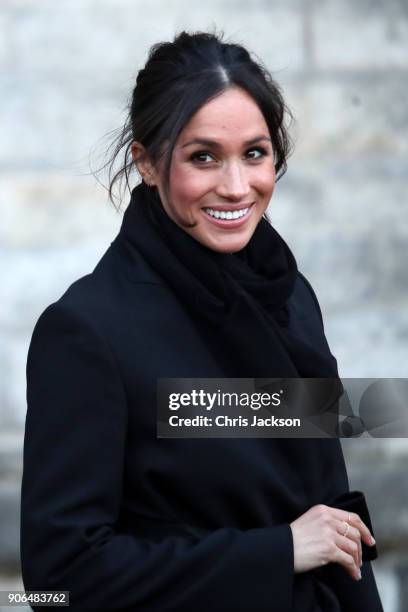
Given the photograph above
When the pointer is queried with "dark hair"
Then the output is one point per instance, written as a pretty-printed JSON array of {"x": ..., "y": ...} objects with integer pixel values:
[{"x": 181, "y": 76}]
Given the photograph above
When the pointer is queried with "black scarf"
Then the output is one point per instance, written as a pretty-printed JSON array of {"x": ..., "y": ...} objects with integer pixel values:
[{"x": 240, "y": 299}]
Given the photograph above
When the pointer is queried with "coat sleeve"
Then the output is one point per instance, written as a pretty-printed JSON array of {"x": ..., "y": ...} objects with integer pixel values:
[{"x": 74, "y": 453}]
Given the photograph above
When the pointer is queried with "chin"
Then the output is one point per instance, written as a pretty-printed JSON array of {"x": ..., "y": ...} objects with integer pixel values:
[{"x": 227, "y": 246}]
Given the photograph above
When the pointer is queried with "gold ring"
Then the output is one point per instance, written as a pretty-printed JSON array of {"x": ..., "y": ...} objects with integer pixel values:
[{"x": 347, "y": 529}]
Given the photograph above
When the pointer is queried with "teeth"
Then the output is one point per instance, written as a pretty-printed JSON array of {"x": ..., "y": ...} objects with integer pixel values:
[{"x": 236, "y": 214}]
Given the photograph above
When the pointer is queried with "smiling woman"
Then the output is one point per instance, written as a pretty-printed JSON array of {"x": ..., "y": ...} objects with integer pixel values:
[
  {"x": 222, "y": 172},
  {"x": 197, "y": 284}
]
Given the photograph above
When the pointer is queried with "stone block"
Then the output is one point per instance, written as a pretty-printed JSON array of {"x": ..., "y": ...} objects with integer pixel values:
[
  {"x": 11, "y": 456},
  {"x": 348, "y": 114},
  {"x": 369, "y": 342},
  {"x": 43, "y": 211},
  {"x": 347, "y": 227},
  {"x": 13, "y": 387},
  {"x": 10, "y": 526},
  {"x": 360, "y": 35}
]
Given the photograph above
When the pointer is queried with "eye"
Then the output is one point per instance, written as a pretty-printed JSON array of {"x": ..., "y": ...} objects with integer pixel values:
[
  {"x": 259, "y": 152},
  {"x": 201, "y": 157}
]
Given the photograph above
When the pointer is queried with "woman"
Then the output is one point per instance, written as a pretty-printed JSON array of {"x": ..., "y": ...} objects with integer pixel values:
[{"x": 196, "y": 284}]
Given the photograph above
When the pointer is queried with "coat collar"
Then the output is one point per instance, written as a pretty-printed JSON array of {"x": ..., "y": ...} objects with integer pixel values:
[{"x": 135, "y": 266}]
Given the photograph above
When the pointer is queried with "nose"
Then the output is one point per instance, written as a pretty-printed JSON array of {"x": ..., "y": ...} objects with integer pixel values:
[{"x": 234, "y": 184}]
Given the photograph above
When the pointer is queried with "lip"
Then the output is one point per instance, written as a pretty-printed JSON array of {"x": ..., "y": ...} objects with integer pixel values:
[
  {"x": 233, "y": 223},
  {"x": 232, "y": 207}
]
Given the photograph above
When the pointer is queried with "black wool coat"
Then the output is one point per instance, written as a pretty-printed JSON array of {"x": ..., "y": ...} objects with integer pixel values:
[{"x": 126, "y": 521}]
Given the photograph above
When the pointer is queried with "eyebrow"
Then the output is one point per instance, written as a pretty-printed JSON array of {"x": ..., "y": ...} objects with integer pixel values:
[{"x": 213, "y": 143}]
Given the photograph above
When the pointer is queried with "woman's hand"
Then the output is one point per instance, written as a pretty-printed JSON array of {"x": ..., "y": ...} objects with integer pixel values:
[{"x": 321, "y": 536}]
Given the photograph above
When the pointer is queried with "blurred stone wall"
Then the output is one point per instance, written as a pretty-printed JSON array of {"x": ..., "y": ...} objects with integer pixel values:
[{"x": 67, "y": 69}]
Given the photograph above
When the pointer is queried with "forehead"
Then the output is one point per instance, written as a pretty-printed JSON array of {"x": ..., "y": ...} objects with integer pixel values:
[{"x": 233, "y": 112}]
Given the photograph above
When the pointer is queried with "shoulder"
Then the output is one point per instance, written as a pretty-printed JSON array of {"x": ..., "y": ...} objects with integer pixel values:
[
  {"x": 122, "y": 290},
  {"x": 110, "y": 281}
]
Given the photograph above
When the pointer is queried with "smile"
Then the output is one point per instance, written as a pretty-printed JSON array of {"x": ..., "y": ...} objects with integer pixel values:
[
  {"x": 229, "y": 219},
  {"x": 227, "y": 214}
]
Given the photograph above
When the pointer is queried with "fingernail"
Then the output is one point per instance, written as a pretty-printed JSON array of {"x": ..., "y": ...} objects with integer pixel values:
[
  {"x": 372, "y": 540},
  {"x": 359, "y": 575}
]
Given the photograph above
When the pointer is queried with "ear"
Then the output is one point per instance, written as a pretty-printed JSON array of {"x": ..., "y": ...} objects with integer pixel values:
[{"x": 143, "y": 163}]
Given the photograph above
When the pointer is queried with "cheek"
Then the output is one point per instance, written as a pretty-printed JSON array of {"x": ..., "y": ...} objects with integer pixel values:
[
  {"x": 266, "y": 180},
  {"x": 267, "y": 176},
  {"x": 189, "y": 185}
]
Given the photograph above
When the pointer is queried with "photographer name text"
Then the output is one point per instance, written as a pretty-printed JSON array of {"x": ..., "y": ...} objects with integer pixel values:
[{"x": 226, "y": 421}]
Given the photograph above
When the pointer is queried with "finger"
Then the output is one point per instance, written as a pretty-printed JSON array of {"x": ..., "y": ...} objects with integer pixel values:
[
  {"x": 353, "y": 534},
  {"x": 364, "y": 530},
  {"x": 360, "y": 549},
  {"x": 347, "y": 561},
  {"x": 354, "y": 520},
  {"x": 348, "y": 546}
]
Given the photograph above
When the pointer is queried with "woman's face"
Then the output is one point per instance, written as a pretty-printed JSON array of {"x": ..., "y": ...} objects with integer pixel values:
[{"x": 222, "y": 173}]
